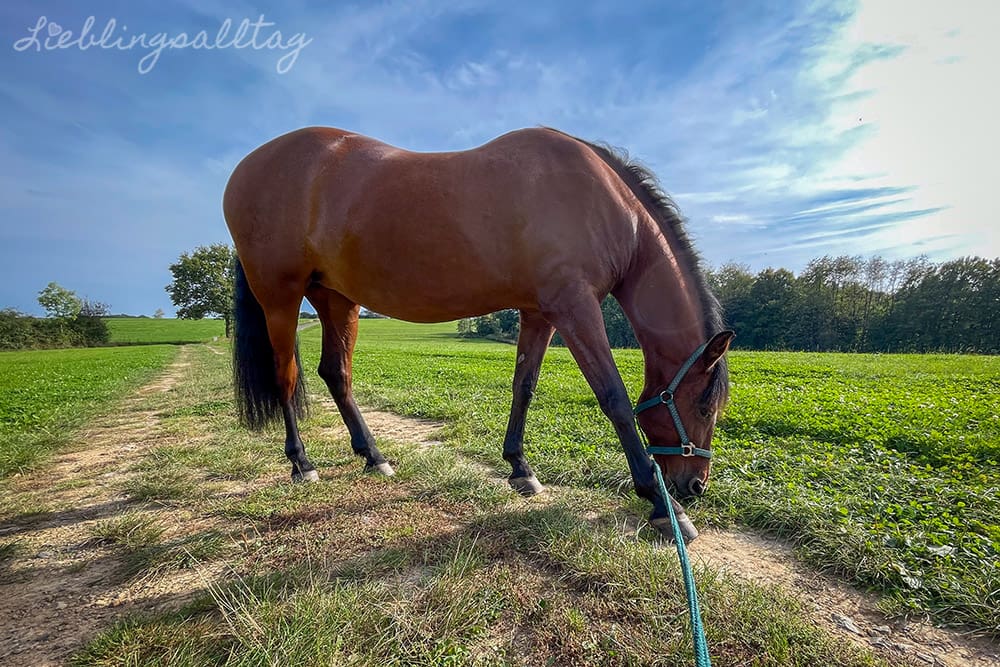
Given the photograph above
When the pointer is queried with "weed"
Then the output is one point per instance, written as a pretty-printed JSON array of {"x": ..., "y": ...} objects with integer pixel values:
[
  {"x": 168, "y": 485},
  {"x": 132, "y": 531}
]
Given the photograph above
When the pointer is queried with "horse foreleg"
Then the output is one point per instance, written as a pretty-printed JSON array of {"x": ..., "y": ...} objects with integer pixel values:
[
  {"x": 339, "y": 318},
  {"x": 532, "y": 342},
  {"x": 578, "y": 319}
]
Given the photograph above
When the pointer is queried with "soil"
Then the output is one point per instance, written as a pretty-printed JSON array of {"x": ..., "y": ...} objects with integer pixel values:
[{"x": 68, "y": 586}]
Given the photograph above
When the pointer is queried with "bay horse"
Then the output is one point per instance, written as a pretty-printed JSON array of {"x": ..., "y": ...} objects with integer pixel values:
[{"x": 536, "y": 220}]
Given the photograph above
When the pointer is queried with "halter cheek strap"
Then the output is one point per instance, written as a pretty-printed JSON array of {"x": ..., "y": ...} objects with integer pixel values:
[{"x": 666, "y": 397}]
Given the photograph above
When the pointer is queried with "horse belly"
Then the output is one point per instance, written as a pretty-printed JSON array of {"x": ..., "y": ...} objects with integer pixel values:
[{"x": 419, "y": 277}]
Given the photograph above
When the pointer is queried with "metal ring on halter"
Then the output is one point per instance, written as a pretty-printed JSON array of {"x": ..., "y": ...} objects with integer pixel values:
[{"x": 666, "y": 396}]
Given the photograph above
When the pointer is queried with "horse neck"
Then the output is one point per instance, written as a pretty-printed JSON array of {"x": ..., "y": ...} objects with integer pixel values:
[{"x": 661, "y": 300}]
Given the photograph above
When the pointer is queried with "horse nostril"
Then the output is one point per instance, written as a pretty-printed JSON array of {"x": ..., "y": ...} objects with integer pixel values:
[{"x": 696, "y": 486}]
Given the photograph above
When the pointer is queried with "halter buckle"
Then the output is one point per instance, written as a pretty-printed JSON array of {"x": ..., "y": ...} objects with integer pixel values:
[
  {"x": 687, "y": 449},
  {"x": 666, "y": 396}
]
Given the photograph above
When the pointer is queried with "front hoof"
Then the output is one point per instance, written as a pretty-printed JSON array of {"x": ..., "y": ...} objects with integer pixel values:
[
  {"x": 307, "y": 476},
  {"x": 688, "y": 531},
  {"x": 526, "y": 486},
  {"x": 381, "y": 469}
]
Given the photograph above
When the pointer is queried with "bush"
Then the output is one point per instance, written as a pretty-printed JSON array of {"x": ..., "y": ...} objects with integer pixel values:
[
  {"x": 23, "y": 332},
  {"x": 501, "y": 325},
  {"x": 16, "y": 331},
  {"x": 505, "y": 325}
]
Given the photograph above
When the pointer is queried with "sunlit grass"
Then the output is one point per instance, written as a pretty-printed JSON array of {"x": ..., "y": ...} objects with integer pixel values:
[
  {"x": 144, "y": 330},
  {"x": 439, "y": 565}
]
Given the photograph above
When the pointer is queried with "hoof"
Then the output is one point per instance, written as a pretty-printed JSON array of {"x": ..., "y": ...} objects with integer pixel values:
[
  {"x": 381, "y": 469},
  {"x": 526, "y": 486},
  {"x": 688, "y": 531},
  {"x": 307, "y": 476}
]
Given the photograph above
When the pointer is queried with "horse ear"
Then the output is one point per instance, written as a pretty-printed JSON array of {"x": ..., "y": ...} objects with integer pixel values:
[{"x": 717, "y": 346}]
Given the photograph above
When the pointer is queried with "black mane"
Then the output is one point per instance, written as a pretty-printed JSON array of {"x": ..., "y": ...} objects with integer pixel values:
[{"x": 648, "y": 190}]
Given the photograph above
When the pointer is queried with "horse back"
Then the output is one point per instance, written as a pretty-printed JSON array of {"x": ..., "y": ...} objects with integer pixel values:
[{"x": 431, "y": 236}]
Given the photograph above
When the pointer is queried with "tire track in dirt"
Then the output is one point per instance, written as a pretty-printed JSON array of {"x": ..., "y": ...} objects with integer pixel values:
[
  {"x": 842, "y": 609},
  {"x": 69, "y": 586}
]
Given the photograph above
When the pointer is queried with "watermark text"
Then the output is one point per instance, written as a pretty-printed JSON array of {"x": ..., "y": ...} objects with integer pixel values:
[{"x": 48, "y": 35}]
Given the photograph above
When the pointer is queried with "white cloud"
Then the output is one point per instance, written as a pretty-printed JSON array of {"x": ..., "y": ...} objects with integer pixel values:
[{"x": 933, "y": 111}]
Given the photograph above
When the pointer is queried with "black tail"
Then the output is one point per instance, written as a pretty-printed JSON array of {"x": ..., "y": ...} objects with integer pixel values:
[{"x": 258, "y": 400}]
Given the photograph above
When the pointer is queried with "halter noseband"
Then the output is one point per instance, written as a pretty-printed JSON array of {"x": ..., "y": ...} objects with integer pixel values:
[{"x": 666, "y": 397}]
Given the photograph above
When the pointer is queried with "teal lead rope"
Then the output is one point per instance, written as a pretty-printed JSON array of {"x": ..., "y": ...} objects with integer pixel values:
[
  {"x": 685, "y": 448},
  {"x": 701, "y": 657}
]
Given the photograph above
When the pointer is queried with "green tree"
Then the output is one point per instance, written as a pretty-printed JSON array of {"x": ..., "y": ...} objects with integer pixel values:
[
  {"x": 620, "y": 333},
  {"x": 773, "y": 296},
  {"x": 732, "y": 284},
  {"x": 60, "y": 302},
  {"x": 203, "y": 283}
]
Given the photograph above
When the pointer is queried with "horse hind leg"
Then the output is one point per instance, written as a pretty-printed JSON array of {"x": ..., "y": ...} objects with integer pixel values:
[
  {"x": 266, "y": 366},
  {"x": 532, "y": 342},
  {"x": 281, "y": 326},
  {"x": 339, "y": 318}
]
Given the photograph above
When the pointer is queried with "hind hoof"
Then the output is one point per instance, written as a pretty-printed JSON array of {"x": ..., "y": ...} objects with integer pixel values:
[
  {"x": 381, "y": 469},
  {"x": 307, "y": 476},
  {"x": 526, "y": 486},
  {"x": 688, "y": 532}
]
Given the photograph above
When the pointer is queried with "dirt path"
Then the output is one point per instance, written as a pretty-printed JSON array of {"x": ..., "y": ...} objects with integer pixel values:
[
  {"x": 839, "y": 607},
  {"x": 67, "y": 585},
  {"x": 307, "y": 325}
]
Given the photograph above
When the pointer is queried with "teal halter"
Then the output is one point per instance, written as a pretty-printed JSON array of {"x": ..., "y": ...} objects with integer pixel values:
[{"x": 666, "y": 397}]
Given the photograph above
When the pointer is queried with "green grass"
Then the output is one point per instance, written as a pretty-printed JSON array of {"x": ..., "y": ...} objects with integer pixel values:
[
  {"x": 132, "y": 532},
  {"x": 882, "y": 468},
  {"x": 162, "y": 483},
  {"x": 441, "y": 565},
  {"x": 142, "y": 330},
  {"x": 516, "y": 582},
  {"x": 139, "y": 539},
  {"x": 46, "y": 394},
  {"x": 438, "y": 565},
  {"x": 8, "y": 551}
]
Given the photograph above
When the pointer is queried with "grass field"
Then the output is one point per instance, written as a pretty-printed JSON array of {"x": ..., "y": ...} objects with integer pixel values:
[
  {"x": 45, "y": 394},
  {"x": 882, "y": 468},
  {"x": 142, "y": 330},
  {"x": 437, "y": 566},
  {"x": 860, "y": 461}
]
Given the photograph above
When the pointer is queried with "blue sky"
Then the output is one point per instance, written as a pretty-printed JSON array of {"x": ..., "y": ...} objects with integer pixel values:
[{"x": 785, "y": 131}]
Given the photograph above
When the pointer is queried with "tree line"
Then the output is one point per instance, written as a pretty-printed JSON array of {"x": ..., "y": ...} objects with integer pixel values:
[
  {"x": 202, "y": 286},
  {"x": 842, "y": 304},
  {"x": 837, "y": 304}
]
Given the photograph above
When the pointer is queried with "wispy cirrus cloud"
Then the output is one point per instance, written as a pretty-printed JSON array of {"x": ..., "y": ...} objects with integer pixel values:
[{"x": 885, "y": 149}]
